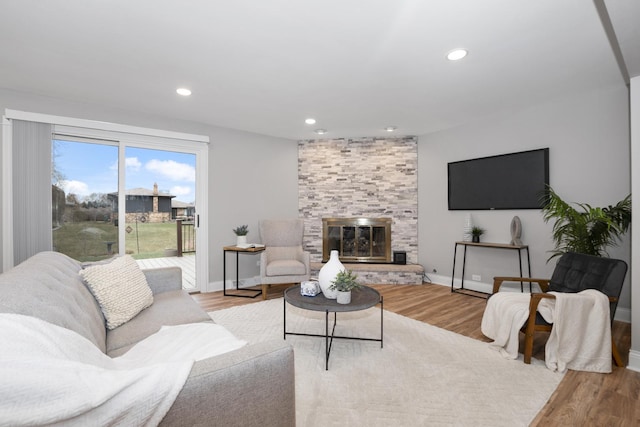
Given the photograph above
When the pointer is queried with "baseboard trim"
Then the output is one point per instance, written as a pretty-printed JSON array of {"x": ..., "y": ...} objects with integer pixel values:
[{"x": 634, "y": 361}]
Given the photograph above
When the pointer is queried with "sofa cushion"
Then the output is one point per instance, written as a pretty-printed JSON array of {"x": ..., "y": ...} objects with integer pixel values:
[
  {"x": 48, "y": 286},
  {"x": 120, "y": 288},
  {"x": 169, "y": 308}
]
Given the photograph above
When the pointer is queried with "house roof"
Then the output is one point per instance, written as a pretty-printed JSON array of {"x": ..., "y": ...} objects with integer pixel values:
[
  {"x": 355, "y": 66},
  {"x": 178, "y": 204},
  {"x": 142, "y": 192}
]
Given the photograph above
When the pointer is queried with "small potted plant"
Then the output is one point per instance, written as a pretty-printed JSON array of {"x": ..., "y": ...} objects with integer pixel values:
[
  {"x": 476, "y": 232},
  {"x": 241, "y": 232},
  {"x": 344, "y": 282}
]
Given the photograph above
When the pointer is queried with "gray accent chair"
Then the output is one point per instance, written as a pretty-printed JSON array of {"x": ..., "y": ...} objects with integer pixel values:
[{"x": 283, "y": 260}]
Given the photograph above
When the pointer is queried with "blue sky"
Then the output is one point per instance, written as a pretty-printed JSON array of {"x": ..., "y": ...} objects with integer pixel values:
[{"x": 92, "y": 168}]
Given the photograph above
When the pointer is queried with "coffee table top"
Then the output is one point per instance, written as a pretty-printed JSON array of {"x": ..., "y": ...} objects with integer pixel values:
[{"x": 361, "y": 299}]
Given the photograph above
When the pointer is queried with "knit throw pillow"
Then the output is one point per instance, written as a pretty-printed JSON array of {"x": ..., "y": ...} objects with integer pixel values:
[{"x": 120, "y": 287}]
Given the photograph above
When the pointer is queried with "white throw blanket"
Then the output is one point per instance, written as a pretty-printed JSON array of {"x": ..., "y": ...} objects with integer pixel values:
[
  {"x": 52, "y": 375},
  {"x": 581, "y": 335},
  {"x": 503, "y": 317}
]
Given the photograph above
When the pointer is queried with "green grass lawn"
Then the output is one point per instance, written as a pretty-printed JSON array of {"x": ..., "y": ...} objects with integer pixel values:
[{"x": 87, "y": 241}]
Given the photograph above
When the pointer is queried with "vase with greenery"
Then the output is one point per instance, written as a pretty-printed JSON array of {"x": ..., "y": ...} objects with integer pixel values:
[
  {"x": 241, "y": 233},
  {"x": 476, "y": 232},
  {"x": 585, "y": 229},
  {"x": 344, "y": 283}
]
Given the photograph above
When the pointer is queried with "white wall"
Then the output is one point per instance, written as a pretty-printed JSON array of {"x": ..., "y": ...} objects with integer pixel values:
[
  {"x": 255, "y": 176},
  {"x": 251, "y": 176},
  {"x": 588, "y": 140}
]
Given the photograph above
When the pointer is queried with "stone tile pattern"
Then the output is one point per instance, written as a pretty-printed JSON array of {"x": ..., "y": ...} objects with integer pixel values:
[
  {"x": 384, "y": 277},
  {"x": 364, "y": 177}
]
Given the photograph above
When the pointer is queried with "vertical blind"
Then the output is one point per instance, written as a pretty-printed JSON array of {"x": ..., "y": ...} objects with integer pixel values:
[{"x": 31, "y": 164}]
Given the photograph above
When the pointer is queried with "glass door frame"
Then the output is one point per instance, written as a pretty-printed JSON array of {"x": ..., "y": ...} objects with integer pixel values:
[
  {"x": 200, "y": 150},
  {"x": 127, "y": 135}
]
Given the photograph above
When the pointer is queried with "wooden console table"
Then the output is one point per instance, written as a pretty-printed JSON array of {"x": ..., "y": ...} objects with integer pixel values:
[{"x": 471, "y": 292}]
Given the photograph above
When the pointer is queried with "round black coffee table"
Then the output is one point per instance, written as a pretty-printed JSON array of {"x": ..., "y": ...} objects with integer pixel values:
[{"x": 361, "y": 299}]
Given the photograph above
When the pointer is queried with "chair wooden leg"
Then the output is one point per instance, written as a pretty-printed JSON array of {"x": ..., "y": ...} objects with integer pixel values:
[
  {"x": 616, "y": 354},
  {"x": 528, "y": 348},
  {"x": 264, "y": 291},
  {"x": 528, "y": 342}
]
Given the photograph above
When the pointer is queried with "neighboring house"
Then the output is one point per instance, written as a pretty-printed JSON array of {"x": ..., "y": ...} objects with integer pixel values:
[
  {"x": 182, "y": 210},
  {"x": 144, "y": 205}
]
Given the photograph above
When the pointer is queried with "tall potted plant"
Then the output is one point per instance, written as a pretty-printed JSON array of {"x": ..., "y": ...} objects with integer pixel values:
[{"x": 585, "y": 229}]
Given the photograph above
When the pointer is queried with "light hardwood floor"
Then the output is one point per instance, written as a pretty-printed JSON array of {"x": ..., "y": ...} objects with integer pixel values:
[{"x": 582, "y": 399}]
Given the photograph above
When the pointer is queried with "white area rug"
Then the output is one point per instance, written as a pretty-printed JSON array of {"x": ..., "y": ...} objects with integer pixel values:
[{"x": 424, "y": 376}]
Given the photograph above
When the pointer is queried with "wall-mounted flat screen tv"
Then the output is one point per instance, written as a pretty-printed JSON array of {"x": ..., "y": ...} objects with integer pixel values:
[{"x": 508, "y": 181}]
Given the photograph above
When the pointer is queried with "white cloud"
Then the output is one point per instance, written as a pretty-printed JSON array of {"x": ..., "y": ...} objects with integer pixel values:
[
  {"x": 78, "y": 188},
  {"x": 132, "y": 164},
  {"x": 180, "y": 190},
  {"x": 172, "y": 170}
]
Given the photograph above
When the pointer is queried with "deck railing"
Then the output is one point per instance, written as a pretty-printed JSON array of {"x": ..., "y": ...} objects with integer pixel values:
[{"x": 186, "y": 236}]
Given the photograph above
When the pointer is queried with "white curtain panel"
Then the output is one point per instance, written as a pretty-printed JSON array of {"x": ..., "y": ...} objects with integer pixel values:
[{"x": 31, "y": 149}]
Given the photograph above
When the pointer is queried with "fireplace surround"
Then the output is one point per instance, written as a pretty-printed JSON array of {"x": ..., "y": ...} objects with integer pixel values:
[
  {"x": 360, "y": 178},
  {"x": 366, "y": 240}
]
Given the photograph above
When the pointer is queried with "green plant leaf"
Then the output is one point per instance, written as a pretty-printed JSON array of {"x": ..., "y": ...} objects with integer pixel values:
[{"x": 585, "y": 229}]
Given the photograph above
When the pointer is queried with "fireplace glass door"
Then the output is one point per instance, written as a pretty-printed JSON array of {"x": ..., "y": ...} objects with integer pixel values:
[{"x": 358, "y": 239}]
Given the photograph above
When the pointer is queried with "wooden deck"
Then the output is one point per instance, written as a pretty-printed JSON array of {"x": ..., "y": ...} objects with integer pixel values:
[{"x": 186, "y": 262}]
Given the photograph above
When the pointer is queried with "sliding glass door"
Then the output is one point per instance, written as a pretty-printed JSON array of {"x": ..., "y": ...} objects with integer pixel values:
[
  {"x": 111, "y": 197},
  {"x": 160, "y": 210}
]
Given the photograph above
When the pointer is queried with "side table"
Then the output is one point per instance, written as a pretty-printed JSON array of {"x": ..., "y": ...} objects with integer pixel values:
[{"x": 248, "y": 293}]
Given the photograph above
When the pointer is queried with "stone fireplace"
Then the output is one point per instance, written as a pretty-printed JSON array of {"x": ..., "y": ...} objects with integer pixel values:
[
  {"x": 374, "y": 178},
  {"x": 360, "y": 178},
  {"x": 357, "y": 239}
]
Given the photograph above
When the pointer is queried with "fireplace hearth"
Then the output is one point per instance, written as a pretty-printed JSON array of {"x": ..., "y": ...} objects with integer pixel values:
[{"x": 366, "y": 240}]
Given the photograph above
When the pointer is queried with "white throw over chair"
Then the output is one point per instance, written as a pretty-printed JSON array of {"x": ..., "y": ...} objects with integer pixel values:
[{"x": 283, "y": 260}]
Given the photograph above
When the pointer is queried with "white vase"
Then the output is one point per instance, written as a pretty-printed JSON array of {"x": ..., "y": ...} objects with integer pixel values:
[
  {"x": 344, "y": 297},
  {"x": 468, "y": 226},
  {"x": 242, "y": 240},
  {"x": 328, "y": 273}
]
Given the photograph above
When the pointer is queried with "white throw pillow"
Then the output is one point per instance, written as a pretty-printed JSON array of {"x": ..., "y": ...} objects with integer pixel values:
[{"x": 121, "y": 289}]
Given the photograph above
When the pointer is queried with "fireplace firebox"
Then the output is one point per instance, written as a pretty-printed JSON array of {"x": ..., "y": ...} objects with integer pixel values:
[{"x": 357, "y": 239}]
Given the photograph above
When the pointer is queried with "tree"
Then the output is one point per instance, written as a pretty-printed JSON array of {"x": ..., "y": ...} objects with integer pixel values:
[
  {"x": 57, "y": 177},
  {"x": 73, "y": 199},
  {"x": 96, "y": 200}
]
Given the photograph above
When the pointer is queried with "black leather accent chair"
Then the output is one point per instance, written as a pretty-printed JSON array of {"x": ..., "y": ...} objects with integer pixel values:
[{"x": 573, "y": 273}]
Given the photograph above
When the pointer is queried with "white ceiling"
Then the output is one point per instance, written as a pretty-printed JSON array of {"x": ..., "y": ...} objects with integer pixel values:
[{"x": 354, "y": 65}]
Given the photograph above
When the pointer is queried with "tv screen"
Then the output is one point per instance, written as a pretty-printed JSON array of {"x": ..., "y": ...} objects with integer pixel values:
[{"x": 509, "y": 181}]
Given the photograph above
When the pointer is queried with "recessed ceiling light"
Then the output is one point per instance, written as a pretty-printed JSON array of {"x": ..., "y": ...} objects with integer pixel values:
[
  {"x": 390, "y": 128},
  {"x": 310, "y": 121},
  {"x": 183, "y": 91},
  {"x": 456, "y": 54},
  {"x": 320, "y": 131}
]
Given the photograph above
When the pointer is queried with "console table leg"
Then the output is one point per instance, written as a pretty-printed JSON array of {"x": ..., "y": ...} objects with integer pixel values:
[
  {"x": 520, "y": 263},
  {"x": 464, "y": 264},
  {"x": 453, "y": 274}
]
